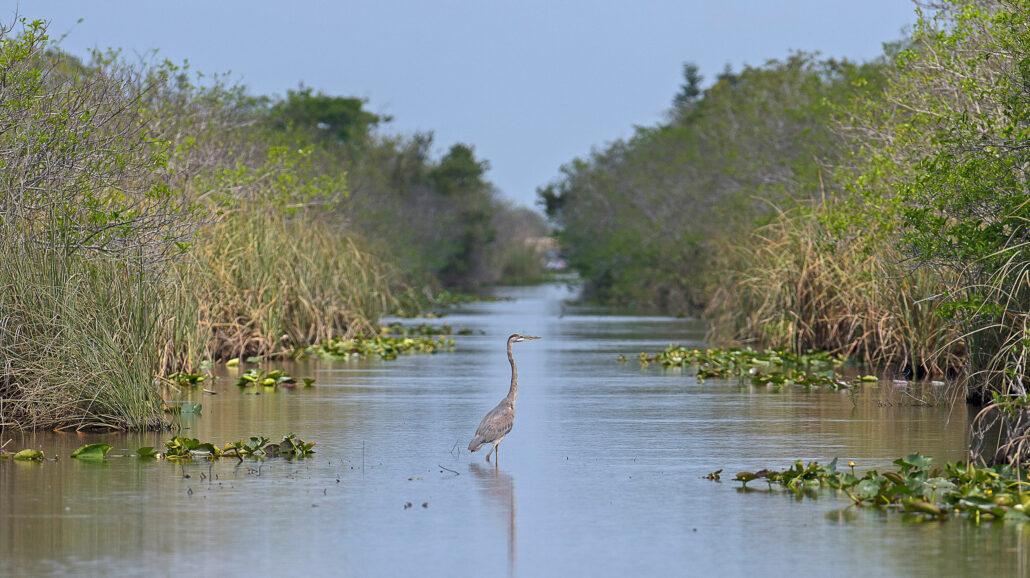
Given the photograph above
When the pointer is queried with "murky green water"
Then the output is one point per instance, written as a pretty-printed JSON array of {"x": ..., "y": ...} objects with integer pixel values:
[{"x": 601, "y": 476}]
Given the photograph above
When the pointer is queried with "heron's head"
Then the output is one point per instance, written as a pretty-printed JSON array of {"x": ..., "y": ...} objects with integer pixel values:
[{"x": 516, "y": 337}]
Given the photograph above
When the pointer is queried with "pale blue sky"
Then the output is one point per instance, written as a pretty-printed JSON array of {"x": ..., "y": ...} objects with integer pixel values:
[{"x": 531, "y": 84}]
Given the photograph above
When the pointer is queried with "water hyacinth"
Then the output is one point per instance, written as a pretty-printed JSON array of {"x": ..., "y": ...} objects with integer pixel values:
[
  {"x": 398, "y": 328},
  {"x": 382, "y": 346},
  {"x": 186, "y": 379},
  {"x": 23, "y": 455},
  {"x": 771, "y": 367},
  {"x": 917, "y": 488},
  {"x": 183, "y": 448},
  {"x": 273, "y": 378}
]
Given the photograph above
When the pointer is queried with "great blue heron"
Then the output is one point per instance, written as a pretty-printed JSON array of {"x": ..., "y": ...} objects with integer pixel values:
[{"x": 498, "y": 422}]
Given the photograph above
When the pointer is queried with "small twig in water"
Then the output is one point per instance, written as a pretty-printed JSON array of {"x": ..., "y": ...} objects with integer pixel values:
[{"x": 449, "y": 470}]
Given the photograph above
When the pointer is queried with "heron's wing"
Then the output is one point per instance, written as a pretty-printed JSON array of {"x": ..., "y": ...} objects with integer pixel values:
[{"x": 497, "y": 423}]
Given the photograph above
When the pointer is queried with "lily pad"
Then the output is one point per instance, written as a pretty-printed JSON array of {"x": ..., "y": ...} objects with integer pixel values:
[
  {"x": 147, "y": 452},
  {"x": 28, "y": 455},
  {"x": 92, "y": 451}
]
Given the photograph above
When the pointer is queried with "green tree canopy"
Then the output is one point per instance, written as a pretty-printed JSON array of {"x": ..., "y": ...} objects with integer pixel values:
[
  {"x": 336, "y": 118},
  {"x": 459, "y": 172}
]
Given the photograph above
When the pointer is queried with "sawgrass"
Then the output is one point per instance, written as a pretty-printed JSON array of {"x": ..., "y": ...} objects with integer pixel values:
[{"x": 791, "y": 286}]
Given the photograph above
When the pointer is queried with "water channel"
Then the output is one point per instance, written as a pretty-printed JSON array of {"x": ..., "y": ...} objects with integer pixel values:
[{"x": 603, "y": 474}]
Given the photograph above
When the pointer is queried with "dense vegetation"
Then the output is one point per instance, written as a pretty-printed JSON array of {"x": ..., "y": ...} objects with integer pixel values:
[
  {"x": 149, "y": 222},
  {"x": 877, "y": 210}
]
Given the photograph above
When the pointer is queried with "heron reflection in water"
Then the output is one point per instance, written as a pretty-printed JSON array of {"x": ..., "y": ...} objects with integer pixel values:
[
  {"x": 499, "y": 489},
  {"x": 499, "y": 420}
]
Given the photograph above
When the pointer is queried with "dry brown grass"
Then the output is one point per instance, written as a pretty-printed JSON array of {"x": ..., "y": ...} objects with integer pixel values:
[
  {"x": 263, "y": 283},
  {"x": 790, "y": 286}
]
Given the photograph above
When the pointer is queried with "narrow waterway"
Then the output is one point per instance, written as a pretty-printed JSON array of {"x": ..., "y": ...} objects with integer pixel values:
[{"x": 603, "y": 474}]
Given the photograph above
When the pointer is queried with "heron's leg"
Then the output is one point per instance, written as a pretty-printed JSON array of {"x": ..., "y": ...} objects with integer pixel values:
[
  {"x": 497, "y": 453},
  {"x": 490, "y": 452}
]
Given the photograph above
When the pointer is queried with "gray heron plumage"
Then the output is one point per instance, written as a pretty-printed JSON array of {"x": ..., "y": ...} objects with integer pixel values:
[{"x": 499, "y": 420}]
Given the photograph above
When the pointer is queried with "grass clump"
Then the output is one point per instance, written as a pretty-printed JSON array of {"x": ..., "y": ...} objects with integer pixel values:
[
  {"x": 792, "y": 285},
  {"x": 77, "y": 342},
  {"x": 266, "y": 283},
  {"x": 87, "y": 228}
]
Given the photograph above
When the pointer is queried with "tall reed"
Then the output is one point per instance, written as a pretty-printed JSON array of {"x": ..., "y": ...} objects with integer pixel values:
[
  {"x": 999, "y": 343},
  {"x": 264, "y": 282},
  {"x": 792, "y": 284},
  {"x": 77, "y": 341}
]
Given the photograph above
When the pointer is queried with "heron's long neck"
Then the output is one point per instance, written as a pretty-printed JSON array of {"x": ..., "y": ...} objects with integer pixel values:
[{"x": 514, "y": 391}]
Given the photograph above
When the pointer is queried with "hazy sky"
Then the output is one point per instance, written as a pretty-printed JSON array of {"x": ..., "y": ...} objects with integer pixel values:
[{"x": 530, "y": 84}]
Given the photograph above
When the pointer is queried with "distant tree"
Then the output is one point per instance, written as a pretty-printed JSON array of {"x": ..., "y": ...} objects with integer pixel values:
[
  {"x": 551, "y": 199},
  {"x": 690, "y": 90},
  {"x": 335, "y": 118},
  {"x": 459, "y": 177},
  {"x": 641, "y": 220},
  {"x": 459, "y": 172},
  {"x": 727, "y": 76}
]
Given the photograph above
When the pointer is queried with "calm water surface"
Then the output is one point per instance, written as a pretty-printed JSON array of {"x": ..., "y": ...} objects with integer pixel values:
[{"x": 601, "y": 476}]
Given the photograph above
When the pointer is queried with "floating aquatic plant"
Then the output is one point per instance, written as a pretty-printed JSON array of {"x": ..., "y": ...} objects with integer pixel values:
[
  {"x": 92, "y": 451},
  {"x": 290, "y": 446},
  {"x": 918, "y": 487},
  {"x": 186, "y": 448},
  {"x": 184, "y": 379},
  {"x": 254, "y": 447},
  {"x": 772, "y": 367},
  {"x": 384, "y": 347},
  {"x": 24, "y": 455},
  {"x": 398, "y": 328},
  {"x": 183, "y": 448},
  {"x": 273, "y": 378},
  {"x": 184, "y": 408}
]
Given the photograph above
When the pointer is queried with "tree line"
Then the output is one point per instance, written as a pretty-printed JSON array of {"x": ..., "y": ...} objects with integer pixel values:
[
  {"x": 152, "y": 218},
  {"x": 878, "y": 209}
]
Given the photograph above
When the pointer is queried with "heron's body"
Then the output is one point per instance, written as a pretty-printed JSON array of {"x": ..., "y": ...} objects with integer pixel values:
[
  {"x": 499, "y": 420},
  {"x": 495, "y": 425}
]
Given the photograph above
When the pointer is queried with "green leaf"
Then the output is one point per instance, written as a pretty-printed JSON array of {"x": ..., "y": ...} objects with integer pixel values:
[
  {"x": 92, "y": 451},
  {"x": 867, "y": 488},
  {"x": 205, "y": 447},
  {"x": 745, "y": 477},
  {"x": 28, "y": 455},
  {"x": 1016, "y": 516},
  {"x": 925, "y": 508},
  {"x": 147, "y": 452},
  {"x": 916, "y": 460}
]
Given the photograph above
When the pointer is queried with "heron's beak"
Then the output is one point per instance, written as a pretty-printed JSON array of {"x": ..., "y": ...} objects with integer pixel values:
[{"x": 524, "y": 338}]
